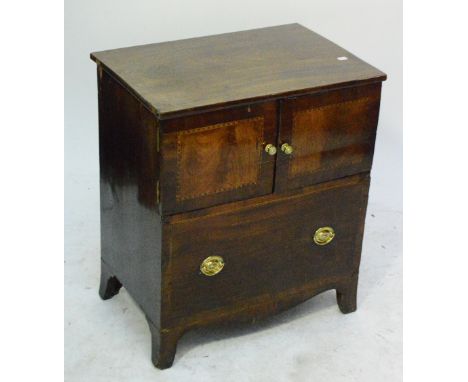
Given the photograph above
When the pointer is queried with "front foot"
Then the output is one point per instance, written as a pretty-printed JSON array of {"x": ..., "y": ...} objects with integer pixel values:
[
  {"x": 110, "y": 285},
  {"x": 346, "y": 296},
  {"x": 163, "y": 346}
]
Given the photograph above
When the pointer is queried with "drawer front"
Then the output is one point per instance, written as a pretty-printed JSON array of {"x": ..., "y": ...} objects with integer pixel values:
[
  {"x": 213, "y": 158},
  {"x": 332, "y": 135},
  {"x": 268, "y": 249}
]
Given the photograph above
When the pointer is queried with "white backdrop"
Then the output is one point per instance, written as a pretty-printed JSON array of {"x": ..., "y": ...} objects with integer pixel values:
[{"x": 370, "y": 29}]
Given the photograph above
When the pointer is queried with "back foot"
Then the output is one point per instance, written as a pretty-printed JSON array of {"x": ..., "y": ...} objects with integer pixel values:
[{"x": 110, "y": 285}]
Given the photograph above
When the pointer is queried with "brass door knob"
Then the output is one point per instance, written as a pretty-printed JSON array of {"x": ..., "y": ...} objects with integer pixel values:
[
  {"x": 324, "y": 235},
  {"x": 212, "y": 265},
  {"x": 270, "y": 149},
  {"x": 287, "y": 148}
]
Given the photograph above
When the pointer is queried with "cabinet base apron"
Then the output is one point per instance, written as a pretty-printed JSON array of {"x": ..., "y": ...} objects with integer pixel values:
[{"x": 164, "y": 340}]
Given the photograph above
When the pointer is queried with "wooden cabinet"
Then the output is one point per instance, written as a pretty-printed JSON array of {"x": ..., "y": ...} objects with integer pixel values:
[{"x": 234, "y": 176}]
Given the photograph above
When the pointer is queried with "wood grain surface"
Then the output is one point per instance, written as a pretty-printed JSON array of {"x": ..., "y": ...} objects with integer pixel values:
[
  {"x": 267, "y": 247},
  {"x": 332, "y": 134},
  {"x": 184, "y": 75},
  {"x": 217, "y": 157}
]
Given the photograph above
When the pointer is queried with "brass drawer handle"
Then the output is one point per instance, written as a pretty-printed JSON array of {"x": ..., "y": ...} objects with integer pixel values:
[
  {"x": 287, "y": 148},
  {"x": 212, "y": 265},
  {"x": 270, "y": 149},
  {"x": 324, "y": 235}
]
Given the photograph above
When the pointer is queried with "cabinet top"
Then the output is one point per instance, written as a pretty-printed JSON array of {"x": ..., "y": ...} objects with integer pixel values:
[{"x": 209, "y": 72}]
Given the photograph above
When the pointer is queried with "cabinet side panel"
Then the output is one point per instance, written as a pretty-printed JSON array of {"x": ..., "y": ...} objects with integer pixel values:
[{"x": 129, "y": 167}]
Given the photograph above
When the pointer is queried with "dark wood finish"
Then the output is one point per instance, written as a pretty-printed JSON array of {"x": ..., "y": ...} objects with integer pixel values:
[
  {"x": 199, "y": 73},
  {"x": 332, "y": 134},
  {"x": 163, "y": 345},
  {"x": 130, "y": 222},
  {"x": 346, "y": 295},
  {"x": 184, "y": 175},
  {"x": 110, "y": 284},
  {"x": 217, "y": 157},
  {"x": 259, "y": 264}
]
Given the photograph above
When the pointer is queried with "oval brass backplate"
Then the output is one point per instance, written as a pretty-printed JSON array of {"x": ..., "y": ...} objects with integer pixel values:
[
  {"x": 212, "y": 265},
  {"x": 324, "y": 235}
]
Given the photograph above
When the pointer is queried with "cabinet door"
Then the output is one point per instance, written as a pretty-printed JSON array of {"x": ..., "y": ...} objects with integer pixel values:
[
  {"x": 217, "y": 157},
  {"x": 331, "y": 135}
]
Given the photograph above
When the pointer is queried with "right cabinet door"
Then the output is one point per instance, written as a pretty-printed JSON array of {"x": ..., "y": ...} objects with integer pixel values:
[{"x": 326, "y": 136}]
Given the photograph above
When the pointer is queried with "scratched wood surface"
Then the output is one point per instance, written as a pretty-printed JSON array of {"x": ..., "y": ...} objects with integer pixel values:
[{"x": 201, "y": 72}]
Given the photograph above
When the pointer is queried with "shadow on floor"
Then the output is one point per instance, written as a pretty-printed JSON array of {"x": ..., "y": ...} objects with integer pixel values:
[{"x": 196, "y": 337}]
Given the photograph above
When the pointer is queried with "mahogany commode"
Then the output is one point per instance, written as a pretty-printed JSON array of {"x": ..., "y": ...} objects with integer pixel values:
[{"x": 234, "y": 175}]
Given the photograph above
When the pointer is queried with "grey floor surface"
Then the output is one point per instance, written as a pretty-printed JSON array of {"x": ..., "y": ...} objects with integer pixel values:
[{"x": 110, "y": 340}]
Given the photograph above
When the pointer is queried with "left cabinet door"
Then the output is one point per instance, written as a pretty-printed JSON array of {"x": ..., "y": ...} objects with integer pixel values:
[{"x": 217, "y": 157}]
